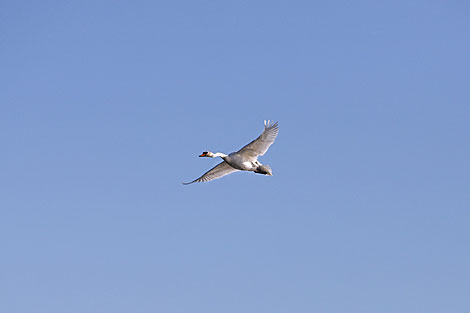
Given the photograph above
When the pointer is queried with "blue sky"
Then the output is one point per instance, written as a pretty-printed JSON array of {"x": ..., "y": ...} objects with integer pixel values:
[{"x": 105, "y": 106}]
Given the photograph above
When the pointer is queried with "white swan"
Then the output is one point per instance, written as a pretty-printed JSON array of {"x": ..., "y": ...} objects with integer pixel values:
[{"x": 245, "y": 159}]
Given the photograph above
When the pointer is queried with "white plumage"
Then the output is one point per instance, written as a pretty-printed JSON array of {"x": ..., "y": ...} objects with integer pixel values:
[{"x": 245, "y": 159}]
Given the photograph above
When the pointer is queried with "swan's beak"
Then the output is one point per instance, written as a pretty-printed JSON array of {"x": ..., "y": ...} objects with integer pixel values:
[{"x": 204, "y": 154}]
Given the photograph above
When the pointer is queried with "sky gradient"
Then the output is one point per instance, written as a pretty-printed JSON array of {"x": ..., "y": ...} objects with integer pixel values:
[{"x": 105, "y": 106}]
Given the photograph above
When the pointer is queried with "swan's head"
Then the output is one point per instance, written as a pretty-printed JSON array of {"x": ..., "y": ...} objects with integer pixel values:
[{"x": 207, "y": 154}]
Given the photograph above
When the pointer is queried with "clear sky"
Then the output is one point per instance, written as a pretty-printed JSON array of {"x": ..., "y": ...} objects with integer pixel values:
[{"x": 106, "y": 105}]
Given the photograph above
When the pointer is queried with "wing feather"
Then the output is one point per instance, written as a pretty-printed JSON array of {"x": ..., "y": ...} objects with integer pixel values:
[
  {"x": 260, "y": 145},
  {"x": 217, "y": 171}
]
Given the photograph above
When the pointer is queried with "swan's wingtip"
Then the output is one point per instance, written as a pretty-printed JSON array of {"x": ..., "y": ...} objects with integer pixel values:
[{"x": 269, "y": 123}]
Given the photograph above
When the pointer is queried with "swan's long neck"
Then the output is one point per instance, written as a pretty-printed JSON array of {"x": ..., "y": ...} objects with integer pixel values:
[{"x": 219, "y": 154}]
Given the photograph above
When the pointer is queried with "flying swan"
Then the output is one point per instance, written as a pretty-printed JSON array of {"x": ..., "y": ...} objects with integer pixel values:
[{"x": 245, "y": 159}]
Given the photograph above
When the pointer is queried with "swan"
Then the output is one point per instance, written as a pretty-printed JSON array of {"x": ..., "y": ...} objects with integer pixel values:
[{"x": 245, "y": 159}]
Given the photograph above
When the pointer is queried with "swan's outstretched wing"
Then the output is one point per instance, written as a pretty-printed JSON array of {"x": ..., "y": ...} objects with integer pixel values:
[
  {"x": 218, "y": 171},
  {"x": 260, "y": 145}
]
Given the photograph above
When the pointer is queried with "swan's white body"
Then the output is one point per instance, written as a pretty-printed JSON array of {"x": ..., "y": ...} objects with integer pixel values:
[{"x": 245, "y": 159}]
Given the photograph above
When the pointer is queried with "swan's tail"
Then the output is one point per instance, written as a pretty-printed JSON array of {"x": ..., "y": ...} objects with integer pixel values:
[{"x": 264, "y": 169}]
